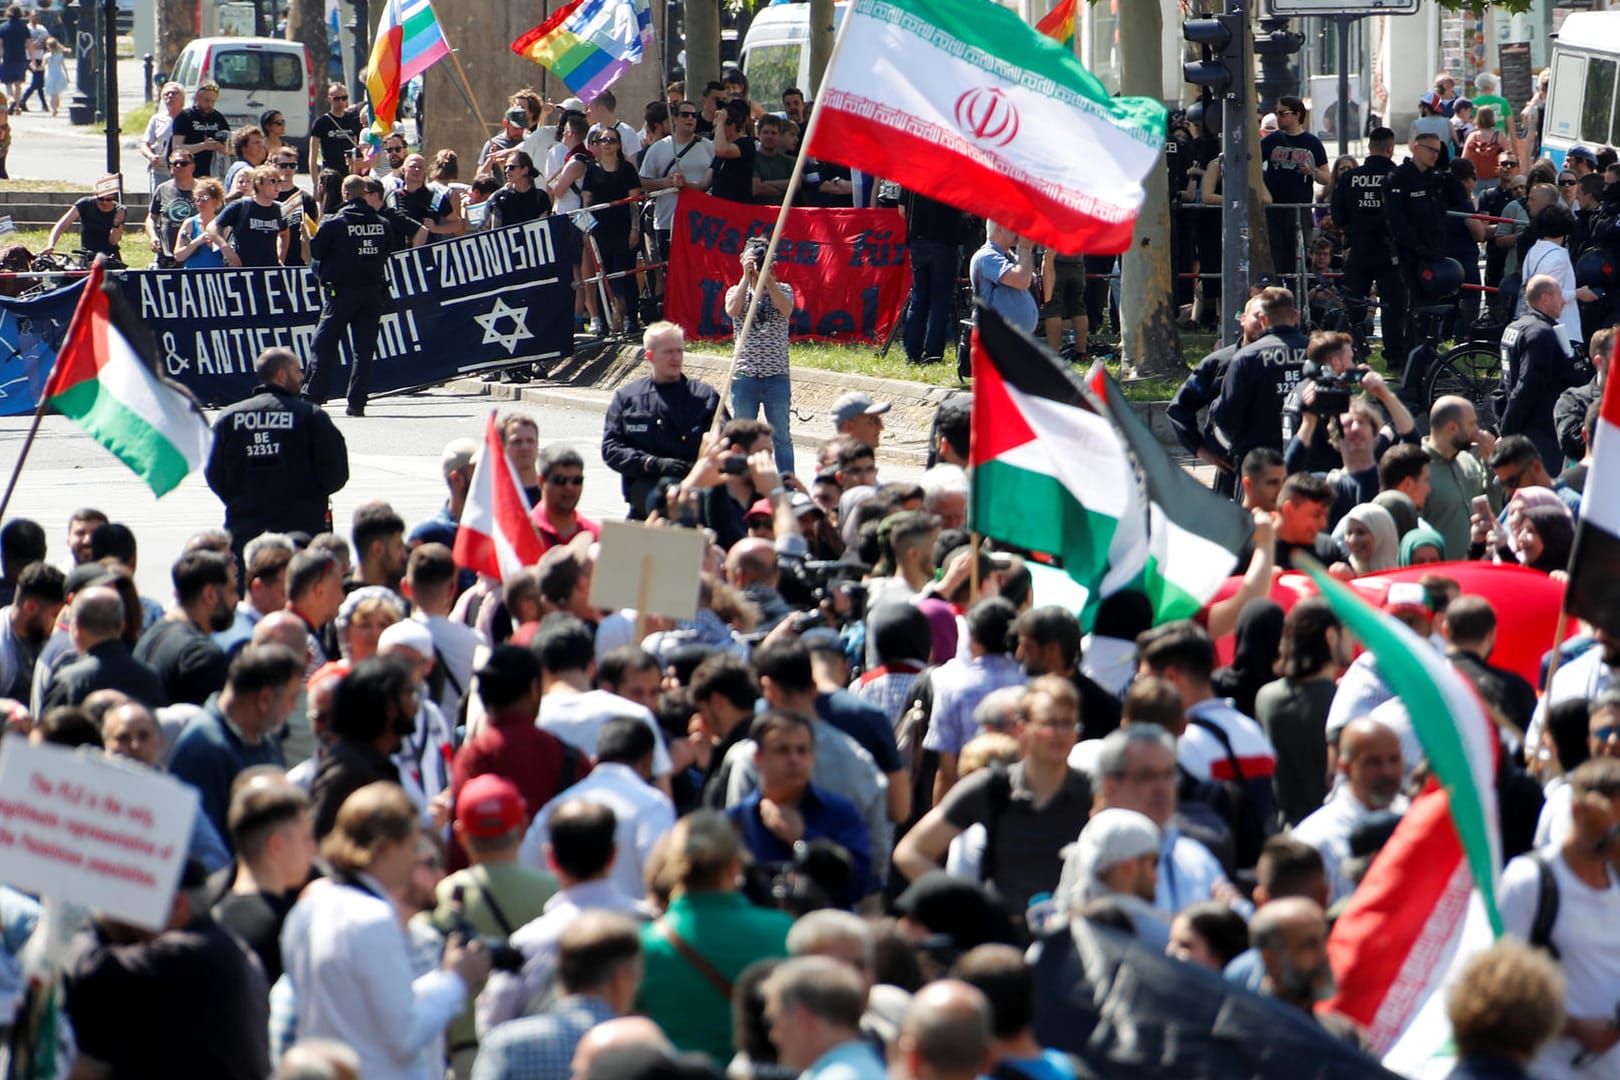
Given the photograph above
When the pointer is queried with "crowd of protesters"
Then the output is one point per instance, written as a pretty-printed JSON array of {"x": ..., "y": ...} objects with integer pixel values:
[{"x": 452, "y": 825}]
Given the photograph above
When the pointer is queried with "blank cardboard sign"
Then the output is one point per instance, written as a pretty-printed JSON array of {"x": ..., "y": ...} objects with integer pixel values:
[{"x": 652, "y": 570}]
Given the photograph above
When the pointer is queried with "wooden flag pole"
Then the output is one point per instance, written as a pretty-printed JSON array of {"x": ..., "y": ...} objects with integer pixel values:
[
  {"x": 1552, "y": 665},
  {"x": 794, "y": 181},
  {"x": 28, "y": 444}
]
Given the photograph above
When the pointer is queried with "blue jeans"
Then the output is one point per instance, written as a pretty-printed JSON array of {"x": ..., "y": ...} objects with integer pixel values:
[
  {"x": 933, "y": 284},
  {"x": 773, "y": 393}
]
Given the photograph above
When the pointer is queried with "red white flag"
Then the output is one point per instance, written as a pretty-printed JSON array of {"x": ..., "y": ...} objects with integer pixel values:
[
  {"x": 496, "y": 536},
  {"x": 1593, "y": 593}
]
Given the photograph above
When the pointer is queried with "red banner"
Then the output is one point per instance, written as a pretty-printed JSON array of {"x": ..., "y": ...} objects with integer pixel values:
[{"x": 848, "y": 268}]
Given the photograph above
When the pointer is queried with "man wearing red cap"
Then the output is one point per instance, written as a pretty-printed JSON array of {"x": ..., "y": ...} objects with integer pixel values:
[{"x": 495, "y": 895}]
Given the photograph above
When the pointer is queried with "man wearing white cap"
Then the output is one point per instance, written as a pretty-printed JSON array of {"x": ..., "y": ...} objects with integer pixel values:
[
  {"x": 857, "y": 415},
  {"x": 1117, "y": 859},
  {"x": 423, "y": 758}
]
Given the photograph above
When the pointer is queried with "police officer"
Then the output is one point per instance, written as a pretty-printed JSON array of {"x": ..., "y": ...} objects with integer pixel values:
[
  {"x": 277, "y": 458},
  {"x": 654, "y": 425},
  {"x": 349, "y": 255},
  {"x": 1537, "y": 366},
  {"x": 1415, "y": 198},
  {"x": 1248, "y": 412},
  {"x": 1358, "y": 207},
  {"x": 1202, "y": 387}
]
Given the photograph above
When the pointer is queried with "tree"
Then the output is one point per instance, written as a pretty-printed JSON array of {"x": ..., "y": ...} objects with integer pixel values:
[
  {"x": 702, "y": 45},
  {"x": 821, "y": 42},
  {"x": 176, "y": 26},
  {"x": 1147, "y": 308},
  {"x": 306, "y": 23}
]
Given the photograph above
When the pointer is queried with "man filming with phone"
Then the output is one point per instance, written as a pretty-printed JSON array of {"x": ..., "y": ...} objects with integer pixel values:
[{"x": 760, "y": 380}]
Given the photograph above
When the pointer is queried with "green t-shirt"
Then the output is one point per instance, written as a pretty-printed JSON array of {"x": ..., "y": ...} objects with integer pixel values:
[
  {"x": 1500, "y": 104},
  {"x": 779, "y": 167}
]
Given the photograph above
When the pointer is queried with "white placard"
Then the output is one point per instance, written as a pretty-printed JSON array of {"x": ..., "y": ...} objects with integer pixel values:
[
  {"x": 80, "y": 827},
  {"x": 671, "y": 559}
]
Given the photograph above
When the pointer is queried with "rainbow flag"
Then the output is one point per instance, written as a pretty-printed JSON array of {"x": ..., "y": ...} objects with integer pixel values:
[
  {"x": 408, "y": 42},
  {"x": 588, "y": 44},
  {"x": 1059, "y": 24}
]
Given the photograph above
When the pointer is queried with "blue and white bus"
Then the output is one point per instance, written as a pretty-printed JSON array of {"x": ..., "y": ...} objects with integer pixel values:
[{"x": 1583, "y": 108}]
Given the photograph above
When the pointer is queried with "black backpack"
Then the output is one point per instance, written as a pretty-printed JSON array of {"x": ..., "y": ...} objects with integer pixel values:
[{"x": 1251, "y": 825}]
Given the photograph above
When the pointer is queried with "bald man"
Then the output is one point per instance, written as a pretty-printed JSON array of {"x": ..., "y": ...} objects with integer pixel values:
[
  {"x": 945, "y": 1034},
  {"x": 96, "y": 621},
  {"x": 618, "y": 1034},
  {"x": 1456, "y": 474},
  {"x": 285, "y": 628},
  {"x": 129, "y": 731},
  {"x": 1370, "y": 763},
  {"x": 1291, "y": 935},
  {"x": 751, "y": 566}
]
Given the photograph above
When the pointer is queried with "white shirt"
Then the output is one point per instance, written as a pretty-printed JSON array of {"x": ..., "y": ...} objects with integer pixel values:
[
  {"x": 1328, "y": 831},
  {"x": 349, "y": 961},
  {"x": 661, "y": 161},
  {"x": 507, "y": 996},
  {"x": 577, "y": 720},
  {"x": 455, "y": 644},
  {"x": 1586, "y": 677},
  {"x": 641, "y": 815},
  {"x": 1361, "y": 690},
  {"x": 1109, "y": 662},
  {"x": 1188, "y": 874},
  {"x": 1589, "y": 953},
  {"x": 1202, "y": 755},
  {"x": 1557, "y": 814},
  {"x": 423, "y": 759},
  {"x": 1546, "y": 257}
]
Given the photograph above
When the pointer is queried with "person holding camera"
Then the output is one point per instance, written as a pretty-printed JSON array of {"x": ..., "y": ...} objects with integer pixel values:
[
  {"x": 788, "y": 811},
  {"x": 1314, "y": 406},
  {"x": 760, "y": 380},
  {"x": 346, "y": 952},
  {"x": 489, "y": 900}
]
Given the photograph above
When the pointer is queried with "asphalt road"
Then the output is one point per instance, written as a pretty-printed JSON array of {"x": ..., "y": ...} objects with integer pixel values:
[{"x": 393, "y": 454}]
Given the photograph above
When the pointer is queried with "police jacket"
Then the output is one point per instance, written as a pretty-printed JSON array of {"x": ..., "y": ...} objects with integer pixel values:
[
  {"x": 350, "y": 249},
  {"x": 1248, "y": 412},
  {"x": 1535, "y": 371},
  {"x": 1358, "y": 208},
  {"x": 652, "y": 429},
  {"x": 276, "y": 459},
  {"x": 1200, "y": 389},
  {"x": 1570, "y": 417},
  {"x": 1415, "y": 211}
]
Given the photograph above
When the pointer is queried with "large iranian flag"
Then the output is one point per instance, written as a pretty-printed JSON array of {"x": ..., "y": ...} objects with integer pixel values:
[
  {"x": 1593, "y": 593},
  {"x": 107, "y": 383},
  {"x": 962, "y": 101},
  {"x": 1049, "y": 473},
  {"x": 1401, "y": 938}
]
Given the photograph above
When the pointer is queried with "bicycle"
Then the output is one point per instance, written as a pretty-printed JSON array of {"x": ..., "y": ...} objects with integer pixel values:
[{"x": 1470, "y": 369}]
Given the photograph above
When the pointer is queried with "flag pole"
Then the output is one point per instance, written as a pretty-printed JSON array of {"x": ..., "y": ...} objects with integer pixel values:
[
  {"x": 794, "y": 181},
  {"x": 93, "y": 281},
  {"x": 1552, "y": 665},
  {"x": 973, "y": 567}
]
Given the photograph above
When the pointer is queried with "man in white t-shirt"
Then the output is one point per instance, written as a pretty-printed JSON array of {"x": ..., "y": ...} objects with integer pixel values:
[
  {"x": 602, "y": 115},
  {"x": 680, "y": 160},
  {"x": 569, "y": 708},
  {"x": 1581, "y": 935},
  {"x": 1370, "y": 758}
]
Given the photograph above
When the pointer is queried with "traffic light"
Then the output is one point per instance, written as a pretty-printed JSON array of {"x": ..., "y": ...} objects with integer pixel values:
[
  {"x": 1274, "y": 46},
  {"x": 1220, "y": 41}
]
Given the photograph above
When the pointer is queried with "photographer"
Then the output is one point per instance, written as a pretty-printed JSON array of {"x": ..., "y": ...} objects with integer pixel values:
[
  {"x": 789, "y": 811},
  {"x": 759, "y": 379},
  {"x": 1315, "y": 405}
]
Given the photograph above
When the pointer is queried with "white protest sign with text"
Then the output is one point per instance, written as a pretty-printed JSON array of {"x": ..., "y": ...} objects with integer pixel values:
[
  {"x": 83, "y": 828},
  {"x": 652, "y": 570}
]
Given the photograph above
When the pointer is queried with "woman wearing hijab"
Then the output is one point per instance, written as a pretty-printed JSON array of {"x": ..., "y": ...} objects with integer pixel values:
[
  {"x": 1422, "y": 545},
  {"x": 1544, "y": 536},
  {"x": 1371, "y": 539},
  {"x": 1257, "y": 639}
]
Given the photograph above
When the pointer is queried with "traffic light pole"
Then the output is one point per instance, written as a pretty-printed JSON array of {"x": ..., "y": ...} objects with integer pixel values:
[{"x": 1237, "y": 133}]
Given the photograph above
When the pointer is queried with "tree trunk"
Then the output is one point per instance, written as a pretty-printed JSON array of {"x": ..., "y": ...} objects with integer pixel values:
[
  {"x": 821, "y": 43},
  {"x": 1260, "y": 259},
  {"x": 306, "y": 23},
  {"x": 702, "y": 46},
  {"x": 1149, "y": 342},
  {"x": 176, "y": 26}
]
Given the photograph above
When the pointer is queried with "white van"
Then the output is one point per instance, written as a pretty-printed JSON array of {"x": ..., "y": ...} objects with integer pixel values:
[
  {"x": 254, "y": 75},
  {"x": 1581, "y": 107},
  {"x": 776, "y": 52}
]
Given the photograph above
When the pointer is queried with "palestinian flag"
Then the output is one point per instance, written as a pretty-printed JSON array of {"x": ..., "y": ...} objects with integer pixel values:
[
  {"x": 105, "y": 380},
  {"x": 966, "y": 103},
  {"x": 1395, "y": 943},
  {"x": 1186, "y": 545},
  {"x": 1593, "y": 592},
  {"x": 495, "y": 536},
  {"x": 1049, "y": 473}
]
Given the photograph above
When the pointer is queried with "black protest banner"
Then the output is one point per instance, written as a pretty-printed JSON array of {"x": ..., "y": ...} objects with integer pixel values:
[{"x": 458, "y": 306}]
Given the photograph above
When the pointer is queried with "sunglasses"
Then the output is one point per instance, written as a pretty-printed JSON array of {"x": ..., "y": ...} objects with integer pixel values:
[
  {"x": 287, "y": 165},
  {"x": 687, "y": 114},
  {"x": 1566, "y": 183},
  {"x": 395, "y": 149},
  {"x": 180, "y": 163},
  {"x": 106, "y": 198},
  {"x": 509, "y": 168},
  {"x": 278, "y": 122},
  {"x": 604, "y": 142},
  {"x": 566, "y": 481},
  {"x": 339, "y": 97}
]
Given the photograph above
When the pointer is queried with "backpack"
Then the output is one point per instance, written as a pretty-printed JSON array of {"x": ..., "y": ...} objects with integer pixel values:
[
  {"x": 1250, "y": 827},
  {"x": 1484, "y": 153},
  {"x": 1546, "y": 906}
]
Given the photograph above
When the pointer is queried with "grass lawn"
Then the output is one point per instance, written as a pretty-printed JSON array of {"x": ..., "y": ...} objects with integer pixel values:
[{"x": 137, "y": 252}]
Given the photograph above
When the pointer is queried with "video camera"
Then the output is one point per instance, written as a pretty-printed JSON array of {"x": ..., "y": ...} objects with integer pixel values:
[
  {"x": 1333, "y": 390},
  {"x": 825, "y": 579}
]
